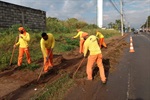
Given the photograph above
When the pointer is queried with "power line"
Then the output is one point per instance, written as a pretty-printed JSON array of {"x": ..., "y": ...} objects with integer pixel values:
[
  {"x": 116, "y": 3},
  {"x": 121, "y": 6},
  {"x": 115, "y": 6}
]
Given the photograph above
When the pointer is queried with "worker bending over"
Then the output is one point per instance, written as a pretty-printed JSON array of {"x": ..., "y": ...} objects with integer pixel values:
[
  {"x": 101, "y": 39},
  {"x": 81, "y": 39},
  {"x": 47, "y": 44},
  {"x": 95, "y": 55}
]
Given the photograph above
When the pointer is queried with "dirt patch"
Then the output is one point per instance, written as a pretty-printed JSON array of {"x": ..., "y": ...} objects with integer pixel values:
[
  {"x": 111, "y": 57},
  {"x": 20, "y": 84}
]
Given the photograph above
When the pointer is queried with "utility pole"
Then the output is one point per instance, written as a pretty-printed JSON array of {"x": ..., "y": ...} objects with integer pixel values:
[
  {"x": 121, "y": 8},
  {"x": 129, "y": 28},
  {"x": 147, "y": 25}
]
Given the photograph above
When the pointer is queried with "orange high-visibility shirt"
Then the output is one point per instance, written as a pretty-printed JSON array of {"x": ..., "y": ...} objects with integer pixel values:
[
  {"x": 23, "y": 42},
  {"x": 47, "y": 44},
  {"x": 91, "y": 45},
  {"x": 79, "y": 35},
  {"x": 99, "y": 35}
]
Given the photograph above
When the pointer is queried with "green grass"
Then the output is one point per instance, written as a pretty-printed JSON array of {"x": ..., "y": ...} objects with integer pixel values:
[
  {"x": 64, "y": 42},
  {"x": 56, "y": 90},
  {"x": 110, "y": 33},
  {"x": 31, "y": 66}
]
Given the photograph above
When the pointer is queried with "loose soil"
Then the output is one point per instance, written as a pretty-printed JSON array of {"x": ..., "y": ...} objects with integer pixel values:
[{"x": 20, "y": 83}]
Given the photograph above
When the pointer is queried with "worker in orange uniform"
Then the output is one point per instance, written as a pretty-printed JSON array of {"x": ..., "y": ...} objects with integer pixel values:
[
  {"x": 81, "y": 39},
  {"x": 24, "y": 38},
  {"x": 47, "y": 44},
  {"x": 92, "y": 48},
  {"x": 101, "y": 39}
]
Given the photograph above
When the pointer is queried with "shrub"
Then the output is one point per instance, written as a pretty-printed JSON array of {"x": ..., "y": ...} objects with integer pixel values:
[
  {"x": 72, "y": 42},
  {"x": 67, "y": 47}
]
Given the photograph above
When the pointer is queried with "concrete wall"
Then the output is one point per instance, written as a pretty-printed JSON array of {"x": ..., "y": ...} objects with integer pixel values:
[{"x": 11, "y": 14}]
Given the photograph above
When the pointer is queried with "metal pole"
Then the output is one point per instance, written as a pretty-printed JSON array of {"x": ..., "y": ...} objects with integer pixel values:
[
  {"x": 121, "y": 17},
  {"x": 147, "y": 25}
]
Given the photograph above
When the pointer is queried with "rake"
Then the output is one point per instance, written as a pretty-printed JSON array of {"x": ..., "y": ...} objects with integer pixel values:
[
  {"x": 78, "y": 68},
  {"x": 10, "y": 63},
  {"x": 43, "y": 67}
]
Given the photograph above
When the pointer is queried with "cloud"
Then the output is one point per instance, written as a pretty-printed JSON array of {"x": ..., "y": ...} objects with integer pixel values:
[
  {"x": 136, "y": 11},
  {"x": 12, "y": 1}
]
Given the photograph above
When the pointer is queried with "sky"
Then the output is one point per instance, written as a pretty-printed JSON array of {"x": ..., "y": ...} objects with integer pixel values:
[{"x": 135, "y": 12}]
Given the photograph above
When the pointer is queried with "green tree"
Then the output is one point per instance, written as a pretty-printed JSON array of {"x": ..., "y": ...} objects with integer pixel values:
[
  {"x": 132, "y": 29},
  {"x": 110, "y": 25},
  {"x": 118, "y": 24},
  {"x": 147, "y": 23}
]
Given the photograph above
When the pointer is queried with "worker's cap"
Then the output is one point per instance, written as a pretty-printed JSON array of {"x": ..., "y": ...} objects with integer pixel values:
[
  {"x": 21, "y": 29},
  {"x": 84, "y": 34}
]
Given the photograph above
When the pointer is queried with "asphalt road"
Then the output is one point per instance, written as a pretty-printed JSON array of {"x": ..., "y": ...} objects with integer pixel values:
[
  {"x": 130, "y": 80},
  {"x": 139, "y": 71}
]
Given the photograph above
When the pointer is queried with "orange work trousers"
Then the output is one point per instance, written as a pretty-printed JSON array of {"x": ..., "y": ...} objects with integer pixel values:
[
  {"x": 21, "y": 53},
  {"x": 48, "y": 63},
  {"x": 102, "y": 42},
  {"x": 91, "y": 60},
  {"x": 81, "y": 46}
]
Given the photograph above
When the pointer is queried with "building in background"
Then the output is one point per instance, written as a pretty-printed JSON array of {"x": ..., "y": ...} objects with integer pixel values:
[{"x": 11, "y": 14}]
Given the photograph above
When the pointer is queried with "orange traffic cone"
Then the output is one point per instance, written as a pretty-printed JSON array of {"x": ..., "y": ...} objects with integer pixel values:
[
  {"x": 131, "y": 39},
  {"x": 131, "y": 45}
]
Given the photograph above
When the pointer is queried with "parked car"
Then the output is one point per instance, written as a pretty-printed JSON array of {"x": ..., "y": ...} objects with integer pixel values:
[
  {"x": 135, "y": 32},
  {"x": 141, "y": 30}
]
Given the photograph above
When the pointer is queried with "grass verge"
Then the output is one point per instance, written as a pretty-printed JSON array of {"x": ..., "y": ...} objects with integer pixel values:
[{"x": 56, "y": 90}]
